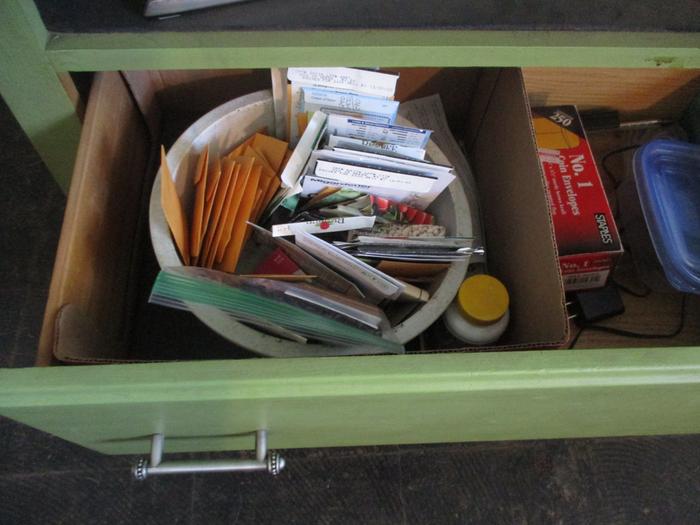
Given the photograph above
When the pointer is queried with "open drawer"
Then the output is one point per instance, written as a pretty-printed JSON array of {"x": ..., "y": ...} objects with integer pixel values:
[{"x": 215, "y": 397}]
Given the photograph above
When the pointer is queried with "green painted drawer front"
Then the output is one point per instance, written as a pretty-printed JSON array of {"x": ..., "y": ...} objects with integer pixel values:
[{"x": 365, "y": 400}]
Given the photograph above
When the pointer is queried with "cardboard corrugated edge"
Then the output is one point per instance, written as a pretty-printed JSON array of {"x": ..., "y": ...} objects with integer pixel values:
[
  {"x": 74, "y": 332},
  {"x": 499, "y": 118},
  {"x": 550, "y": 221}
]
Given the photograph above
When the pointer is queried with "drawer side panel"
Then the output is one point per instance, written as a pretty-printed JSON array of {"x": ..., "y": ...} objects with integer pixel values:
[{"x": 96, "y": 250}]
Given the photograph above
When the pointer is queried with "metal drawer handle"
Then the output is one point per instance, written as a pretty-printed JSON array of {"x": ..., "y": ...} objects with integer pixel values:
[{"x": 271, "y": 462}]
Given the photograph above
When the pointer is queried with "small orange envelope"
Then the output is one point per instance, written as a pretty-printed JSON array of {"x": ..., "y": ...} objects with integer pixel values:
[
  {"x": 173, "y": 210},
  {"x": 246, "y": 166},
  {"x": 200, "y": 183},
  {"x": 274, "y": 150},
  {"x": 217, "y": 208},
  {"x": 233, "y": 250}
]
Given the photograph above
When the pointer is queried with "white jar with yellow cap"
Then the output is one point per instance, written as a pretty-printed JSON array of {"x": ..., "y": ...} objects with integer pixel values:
[{"x": 479, "y": 314}]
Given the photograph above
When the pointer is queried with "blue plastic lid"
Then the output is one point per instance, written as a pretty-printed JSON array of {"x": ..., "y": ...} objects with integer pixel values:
[{"x": 667, "y": 174}]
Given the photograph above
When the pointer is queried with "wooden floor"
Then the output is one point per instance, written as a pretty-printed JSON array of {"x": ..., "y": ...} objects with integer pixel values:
[{"x": 46, "y": 480}]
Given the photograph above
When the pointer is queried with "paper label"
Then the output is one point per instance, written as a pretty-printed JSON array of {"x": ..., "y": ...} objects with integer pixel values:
[
  {"x": 345, "y": 79},
  {"x": 403, "y": 230},
  {"x": 376, "y": 131},
  {"x": 349, "y": 104},
  {"x": 440, "y": 174},
  {"x": 337, "y": 224},
  {"x": 587, "y": 270},
  {"x": 372, "y": 178},
  {"x": 313, "y": 184},
  {"x": 585, "y": 281},
  {"x": 336, "y": 78},
  {"x": 347, "y": 142}
]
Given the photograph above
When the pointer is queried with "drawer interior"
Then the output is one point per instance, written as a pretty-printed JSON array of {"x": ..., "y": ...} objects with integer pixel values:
[
  {"x": 97, "y": 306},
  {"x": 638, "y": 95}
]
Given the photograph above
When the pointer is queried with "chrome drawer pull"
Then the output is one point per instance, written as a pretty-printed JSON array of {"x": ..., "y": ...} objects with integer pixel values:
[{"x": 271, "y": 462}]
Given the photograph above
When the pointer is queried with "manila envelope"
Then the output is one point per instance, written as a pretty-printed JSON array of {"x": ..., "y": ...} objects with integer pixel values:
[
  {"x": 232, "y": 168},
  {"x": 246, "y": 166},
  {"x": 173, "y": 210},
  {"x": 200, "y": 183},
  {"x": 218, "y": 204},
  {"x": 233, "y": 250},
  {"x": 274, "y": 150}
]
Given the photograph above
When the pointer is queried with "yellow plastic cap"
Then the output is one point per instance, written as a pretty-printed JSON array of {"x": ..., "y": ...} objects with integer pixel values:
[{"x": 483, "y": 299}]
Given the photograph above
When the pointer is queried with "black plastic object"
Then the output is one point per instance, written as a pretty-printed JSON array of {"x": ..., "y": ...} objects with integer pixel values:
[{"x": 596, "y": 305}]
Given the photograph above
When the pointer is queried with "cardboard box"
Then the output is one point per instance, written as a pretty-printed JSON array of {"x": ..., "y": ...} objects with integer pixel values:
[
  {"x": 94, "y": 321},
  {"x": 587, "y": 237}
]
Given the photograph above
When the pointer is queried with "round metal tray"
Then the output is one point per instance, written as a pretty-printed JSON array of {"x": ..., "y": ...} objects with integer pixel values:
[{"x": 225, "y": 127}]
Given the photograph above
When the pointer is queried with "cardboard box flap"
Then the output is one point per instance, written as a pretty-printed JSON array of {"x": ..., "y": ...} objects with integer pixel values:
[{"x": 520, "y": 243}]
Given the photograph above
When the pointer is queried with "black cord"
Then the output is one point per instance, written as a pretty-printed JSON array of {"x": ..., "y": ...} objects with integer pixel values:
[
  {"x": 631, "y": 292},
  {"x": 606, "y": 169},
  {"x": 615, "y": 182},
  {"x": 575, "y": 338},
  {"x": 628, "y": 333}
]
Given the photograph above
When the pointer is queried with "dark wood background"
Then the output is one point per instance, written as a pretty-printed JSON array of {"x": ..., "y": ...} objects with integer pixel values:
[{"x": 551, "y": 15}]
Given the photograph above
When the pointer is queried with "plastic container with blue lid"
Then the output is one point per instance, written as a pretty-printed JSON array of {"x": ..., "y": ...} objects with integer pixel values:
[{"x": 667, "y": 177}]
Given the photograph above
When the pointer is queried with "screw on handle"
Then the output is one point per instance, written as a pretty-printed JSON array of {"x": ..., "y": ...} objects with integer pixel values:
[
  {"x": 140, "y": 470},
  {"x": 275, "y": 463}
]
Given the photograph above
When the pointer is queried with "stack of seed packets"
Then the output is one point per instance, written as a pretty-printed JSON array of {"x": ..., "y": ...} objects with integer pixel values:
[{"x": 342, "y": 123}]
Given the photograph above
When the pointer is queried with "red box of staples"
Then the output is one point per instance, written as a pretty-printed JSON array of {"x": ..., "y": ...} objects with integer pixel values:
[{"x": 587, "y": 237}]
